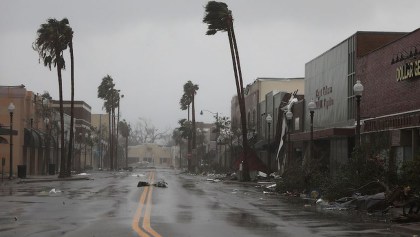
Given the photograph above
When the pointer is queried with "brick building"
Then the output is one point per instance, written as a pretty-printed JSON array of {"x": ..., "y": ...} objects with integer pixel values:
[
  {"x": 390, "y": 106},
  {"x": 82, "y": 157}
]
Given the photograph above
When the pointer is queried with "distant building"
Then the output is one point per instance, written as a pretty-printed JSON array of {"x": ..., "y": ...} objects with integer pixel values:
[
  {"x": 255, "y": 93},
  {"x": 82, "y": 158},
  {"x": 100, "y": 123},
  {"x": 150, "y": 154},
  {"x": 262, "y": 97}
]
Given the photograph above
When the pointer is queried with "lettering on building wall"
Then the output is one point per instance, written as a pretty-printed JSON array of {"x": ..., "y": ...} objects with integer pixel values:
[
  {"x": 322, "y": 100},
  {"x": 409, "y": 70}
]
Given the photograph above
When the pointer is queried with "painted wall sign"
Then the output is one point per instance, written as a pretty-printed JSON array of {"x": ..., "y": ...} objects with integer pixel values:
[
  {"x": 409, "y": 70},
  {"x": 324, "y": 102}
]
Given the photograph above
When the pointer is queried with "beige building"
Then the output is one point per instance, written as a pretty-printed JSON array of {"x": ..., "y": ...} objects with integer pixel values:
[
  {"x": 34, "y": 145},
  {"x": 152, "y": 154},
  {"x": 256, "y": 92},
  {"x": 100, "y": 122}
]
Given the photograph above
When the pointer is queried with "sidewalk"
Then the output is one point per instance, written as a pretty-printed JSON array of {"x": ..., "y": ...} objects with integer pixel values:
[
  {"x": 404, "y": 229},
  {"x": 408, "y": 229},
  {"x": 43, "y": 178},
  {"x": 51, "y": 178}
]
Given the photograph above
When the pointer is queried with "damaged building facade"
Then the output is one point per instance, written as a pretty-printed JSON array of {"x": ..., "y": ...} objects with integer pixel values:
[{"x": 386, "y": 63}]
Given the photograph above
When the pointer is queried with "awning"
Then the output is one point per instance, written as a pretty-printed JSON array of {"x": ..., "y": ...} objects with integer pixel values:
[
  {"x": 6, "y": 131},
  {"x": 323, "y": 134},
  {"x": 32, "y": 139},
  {"x": 3, "y": 140}
]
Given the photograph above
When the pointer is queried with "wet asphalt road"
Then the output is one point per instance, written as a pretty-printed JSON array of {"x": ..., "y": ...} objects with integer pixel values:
[{"x": 111, "y": 204}]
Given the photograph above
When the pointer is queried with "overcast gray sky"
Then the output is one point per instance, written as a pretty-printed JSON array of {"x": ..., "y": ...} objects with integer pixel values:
[{"x": 151, "y": 48}]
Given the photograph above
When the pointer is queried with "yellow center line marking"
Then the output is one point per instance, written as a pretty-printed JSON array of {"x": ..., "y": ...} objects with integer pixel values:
[
  {"x": 146, "y": 219},
  {"x": 137, "y": 216}
]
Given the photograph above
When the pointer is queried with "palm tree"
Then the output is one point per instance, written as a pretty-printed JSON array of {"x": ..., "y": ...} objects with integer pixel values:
[
  {"x": 190, "y": 90},
  {"x": 218, "y": 17},
  {"x": 125, "y": 132},
  {"x": 185, "y": 103},
  {"x": 50, "y": 44},
  {"x": 185, "y": 130},
  {"x": 69, "y": 39},
  {"x": 177, "y": 137},
  {"x": 107, "y": 92}
]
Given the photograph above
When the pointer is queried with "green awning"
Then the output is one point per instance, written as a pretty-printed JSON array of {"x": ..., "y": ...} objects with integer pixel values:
[{"x": 6, "y": 131}]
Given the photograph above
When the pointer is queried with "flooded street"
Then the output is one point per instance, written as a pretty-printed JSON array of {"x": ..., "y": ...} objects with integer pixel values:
[{"x": 111, "y": 204}]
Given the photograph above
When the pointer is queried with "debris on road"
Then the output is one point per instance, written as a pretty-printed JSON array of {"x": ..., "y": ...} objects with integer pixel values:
[
  {"x": 54, "y": 191},
  {"x": 138, "y": 175},
  {"x": 161, "y": 184},
  {"x": 83, "y": 174},
  {"x": 143, "y": 183}
]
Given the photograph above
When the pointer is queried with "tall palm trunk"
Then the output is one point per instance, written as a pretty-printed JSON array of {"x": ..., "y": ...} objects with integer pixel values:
[
  {"x": 63, "y": 151},
  {"x": 109, "y": 139},
  {"x": 113, "y": 139},
  {"x": 242, "y": 110},
  {"x": 241, "y": 101},
  {"x": 180, "y": 155},
  {"x": 117, "y": 142},
  {"x": 70, "y": 151},
  {"x": 126, "y": 152},
  {"x": 194, "y": 134},
  {"x": 189, "y": 142}
]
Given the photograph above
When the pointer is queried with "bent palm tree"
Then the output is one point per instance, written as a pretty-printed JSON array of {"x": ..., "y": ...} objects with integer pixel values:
[
  {"x": 50, "y": 44},
  {"x": 69, "y": 39},
  {"x": 219, "y": 18}
]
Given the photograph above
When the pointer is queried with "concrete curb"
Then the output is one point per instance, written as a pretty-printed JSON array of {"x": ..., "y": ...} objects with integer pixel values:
[{"x": 39, "y": 180}]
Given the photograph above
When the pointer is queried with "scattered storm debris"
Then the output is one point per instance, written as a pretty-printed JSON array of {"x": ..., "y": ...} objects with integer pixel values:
[
  {"x": 143, "y": 183},
  {"x": 403, "y": 204},
  {"x": 159, "y": 184}
]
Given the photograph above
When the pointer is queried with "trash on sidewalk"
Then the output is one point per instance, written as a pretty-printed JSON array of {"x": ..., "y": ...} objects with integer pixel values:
[
  {"x": 214, "y": 180},
  {"x": 408, "y": 203},
  {"x": 262, "y": 174}
]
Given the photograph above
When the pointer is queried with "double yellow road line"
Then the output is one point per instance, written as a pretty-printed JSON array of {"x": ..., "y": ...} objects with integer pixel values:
[{"x": 143, "y": 212}]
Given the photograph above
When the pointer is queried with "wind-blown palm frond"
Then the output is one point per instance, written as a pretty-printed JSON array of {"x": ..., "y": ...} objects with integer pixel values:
[{"x": 215, "y": 17}]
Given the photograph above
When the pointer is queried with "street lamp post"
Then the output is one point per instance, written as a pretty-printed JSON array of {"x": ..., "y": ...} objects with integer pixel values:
[
  {"x": 219, "y": 143},
  {"x": 47, "y": 145},
  {"x": 289, "y": 116},
  {"x": 91, "y": 150},
  {"x": 312, "y": 107},
  {"x": 86, "y": 140},
  {"x": 80, "y": 149},
  {"x": 269, "y": 119},
  {"x": 11, "y": 109},
  {"x": 358, "y": 90}
]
